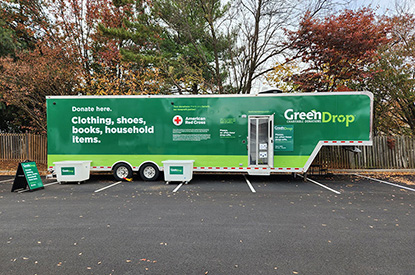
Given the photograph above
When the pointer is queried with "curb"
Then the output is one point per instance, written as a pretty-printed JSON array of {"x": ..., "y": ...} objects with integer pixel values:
[
  {"x": 346, "y": 171},
  {"x": 13, "y": 172}
]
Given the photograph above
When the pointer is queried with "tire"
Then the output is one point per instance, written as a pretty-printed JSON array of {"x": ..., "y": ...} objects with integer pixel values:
[
  {"x": 121, "y": 171},
  {"x": 149, "y": 172}
]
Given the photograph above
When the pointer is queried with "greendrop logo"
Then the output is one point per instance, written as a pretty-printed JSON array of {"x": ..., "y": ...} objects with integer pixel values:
[{"x": 314, "y": 116}]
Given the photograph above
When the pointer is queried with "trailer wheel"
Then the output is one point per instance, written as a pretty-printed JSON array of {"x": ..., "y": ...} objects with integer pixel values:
[
  {"x": 122, "y": 171},
  {"x": 149, "y": 172}
]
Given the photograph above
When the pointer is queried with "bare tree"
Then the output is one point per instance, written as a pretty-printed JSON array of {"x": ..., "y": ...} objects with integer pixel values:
[
  {"x": 404, "y": 7},
  {"x": 262, "y": 25}
]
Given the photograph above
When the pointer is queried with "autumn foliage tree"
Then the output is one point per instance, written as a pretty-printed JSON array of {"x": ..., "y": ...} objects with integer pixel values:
[
  {"x": 127, "y": 49},
  {"x": 77, "y": 30},
  {"x": 393, "y": 81},
  {"x": 337, "y": 49},
  {"x": 22, "y": 24},
  {"x": 36, "y": 74}
]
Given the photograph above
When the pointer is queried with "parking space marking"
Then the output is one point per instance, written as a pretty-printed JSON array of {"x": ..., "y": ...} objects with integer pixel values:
[
  {"x": 6, "y": 180},
  {"x": 177, "y": 188},
  {"x": 109, "y": 186},
  {"x": 386, "y": 182},
  {"x": 249, "y": 184},
  {"x": 322, "y": 185},
  {"x": 52, "y": 183}
]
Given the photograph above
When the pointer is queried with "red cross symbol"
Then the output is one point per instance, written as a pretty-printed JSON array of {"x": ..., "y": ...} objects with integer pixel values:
[{"x": 177, "y": 120}]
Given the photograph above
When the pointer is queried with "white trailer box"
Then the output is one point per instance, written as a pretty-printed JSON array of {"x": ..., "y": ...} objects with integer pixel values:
[
  {"x": 72, "y": 171},
  {"x": 178, "y": 170}
]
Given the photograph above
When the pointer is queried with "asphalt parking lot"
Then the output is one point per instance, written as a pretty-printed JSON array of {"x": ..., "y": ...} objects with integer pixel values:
[{"x": 214, "y": 225}]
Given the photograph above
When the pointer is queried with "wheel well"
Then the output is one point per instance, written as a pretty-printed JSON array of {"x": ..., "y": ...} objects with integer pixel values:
[
  {"x": 149, "y": 162},
  {"x": 122, "y": 162}
]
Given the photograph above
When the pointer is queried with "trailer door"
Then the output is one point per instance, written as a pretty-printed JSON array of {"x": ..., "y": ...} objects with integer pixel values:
[{"x": 261, "y": 141}]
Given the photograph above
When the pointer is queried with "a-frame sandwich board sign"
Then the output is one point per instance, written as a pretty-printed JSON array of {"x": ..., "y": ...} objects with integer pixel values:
[{"x": 27, "y": 176}]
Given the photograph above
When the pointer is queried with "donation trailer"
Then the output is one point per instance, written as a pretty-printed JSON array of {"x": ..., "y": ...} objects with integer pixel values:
[{"x": 253, "y": 134}]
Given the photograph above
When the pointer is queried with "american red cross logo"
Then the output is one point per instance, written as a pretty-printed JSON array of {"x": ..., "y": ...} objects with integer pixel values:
[{"x": 177, "y": 120}]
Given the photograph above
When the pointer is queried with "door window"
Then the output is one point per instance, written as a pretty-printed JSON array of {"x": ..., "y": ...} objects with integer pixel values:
[{"x": 260, "y": 140}]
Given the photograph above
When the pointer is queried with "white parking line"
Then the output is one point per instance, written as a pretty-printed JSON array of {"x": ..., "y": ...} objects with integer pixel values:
[
  {"x": 99, "y": 190},
  {"x": 177, "y": 188},
  {"x": 386, "y": 182},
  {"x": 6, "y": 180},
  {"x": 322, "y": 185},
  {"x": 249, "y": 184},
  {"x": 52, "y": 183}
]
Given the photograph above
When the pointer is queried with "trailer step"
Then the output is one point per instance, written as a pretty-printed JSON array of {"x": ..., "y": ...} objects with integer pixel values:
[{"x": 259, "y": 172}]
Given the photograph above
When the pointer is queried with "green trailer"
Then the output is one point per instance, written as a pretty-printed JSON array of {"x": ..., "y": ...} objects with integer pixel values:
[{"x": 253, "y": 134}]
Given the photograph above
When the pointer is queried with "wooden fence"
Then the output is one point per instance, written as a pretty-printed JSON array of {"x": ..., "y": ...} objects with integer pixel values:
[
  {"x": 386, "y": 152},
  {"x": 20, "y": 147},
  {"x": 396, "y": 152}
]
